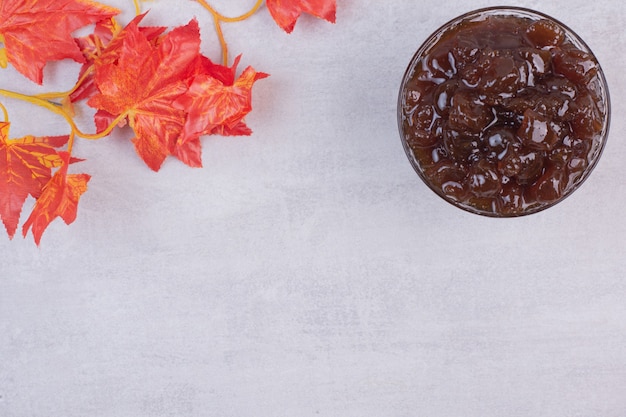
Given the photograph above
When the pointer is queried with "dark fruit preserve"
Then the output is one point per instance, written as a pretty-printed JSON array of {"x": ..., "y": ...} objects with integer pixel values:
[{"x": 503, "y": 112}]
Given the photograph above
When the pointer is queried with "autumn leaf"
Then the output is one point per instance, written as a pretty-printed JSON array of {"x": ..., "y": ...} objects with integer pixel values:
[
  {"x": 216, "y": 103},
  {"x": 37, "y": 31},
  {"x": 104, "y": 46},
  {"x": 286, "y": 12},
  {"x": 25, "y": 168},
  {"x": 59, "y": 198},
  {"x": 143, "y": 82},
  {"x": 93, "y": 46}
]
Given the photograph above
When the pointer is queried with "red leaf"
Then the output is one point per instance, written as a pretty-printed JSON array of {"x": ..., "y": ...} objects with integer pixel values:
[
  {"x": 103, "y": 119},
  {"x": 189, "y": 152},
  {"x": 25, "y": 168},
  {"x": 144, "y": 81},
  {"x": 59, "y": 199},
  {"x": 92, "y": 47},
  {"x": 286, "y": 12},
  {"x": 104, "y": 45},
  {"x": 37, "y": 31},
  {"x": 226, "y": 75},
  {"x": 217, "y": 105}
]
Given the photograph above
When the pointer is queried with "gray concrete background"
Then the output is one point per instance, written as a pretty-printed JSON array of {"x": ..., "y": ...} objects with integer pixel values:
[{"x": 306, "y": 270}]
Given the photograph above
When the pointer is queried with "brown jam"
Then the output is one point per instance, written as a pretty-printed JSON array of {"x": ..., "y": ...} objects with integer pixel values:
[{"x": 504, "y": 115}]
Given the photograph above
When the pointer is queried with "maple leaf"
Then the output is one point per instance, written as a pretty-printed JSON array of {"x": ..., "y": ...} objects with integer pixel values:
[
  {"x": 216, "y": 103},
  {"x": 59, "y": 198},
  {"x": 25, "y": 168},
  {"x": 93, "y": 46},
  {"x": 104, "y": 46},
  {"x": 143, "y": 81},
  {"x": 37, "y": 31},
  {"x": 286, "y": 12}
]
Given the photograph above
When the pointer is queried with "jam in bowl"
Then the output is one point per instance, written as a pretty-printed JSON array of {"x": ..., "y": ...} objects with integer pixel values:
[{"x": 503, "y": 111}]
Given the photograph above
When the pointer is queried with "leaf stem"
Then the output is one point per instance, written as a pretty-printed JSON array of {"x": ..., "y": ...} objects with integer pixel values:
[
  {"x": 59, "y": 94},
  {"x": 137, "y": 7},
  {"x": 223, "y": 18},
  {"x": 58, "y": 109},
  {"x": 70, "y": 142},
  {"x": 4, "y": 112},
  {"x": 218, "y": 18},
  {"x": 220, "y": 35}
]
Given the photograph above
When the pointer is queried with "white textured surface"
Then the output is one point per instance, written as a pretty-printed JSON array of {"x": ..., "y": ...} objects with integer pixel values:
[{"x": 306, "y": 271}]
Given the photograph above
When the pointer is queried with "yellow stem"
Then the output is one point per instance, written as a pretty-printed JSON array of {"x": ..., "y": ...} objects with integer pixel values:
[
  {"x": 4, "y": 112},
  {"x": 223, "y": 18},
  {"x": 137, "y": 7},
  {"x": 55, "y": 108},
  {"x": 218, "y": 18},
  {"x": 223, "y": 44},
  {"x": 59, "y": 94},
  {"x": 70, "y": 142}
]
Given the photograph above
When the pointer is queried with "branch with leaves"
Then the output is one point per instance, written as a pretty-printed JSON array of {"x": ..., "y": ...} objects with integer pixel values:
[{"x": 152, "y": 79}]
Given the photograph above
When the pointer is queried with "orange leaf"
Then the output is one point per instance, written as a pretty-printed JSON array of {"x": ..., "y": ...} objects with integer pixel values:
[
  {"x": 59, "y": 199},
  {"x": 37, "y": 31},
  {"x": 286, "y": 12},
  {"x": 216, "y": 103},
  {"x": 25, "y": 168},
  {"x": 104, "y": 46},
  {"x": 92, "y": 46},
  {"x": 143, "y": 82}
]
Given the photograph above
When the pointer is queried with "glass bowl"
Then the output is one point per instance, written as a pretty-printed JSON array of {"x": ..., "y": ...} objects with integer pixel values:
[{"x": 503, "y": 111}]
